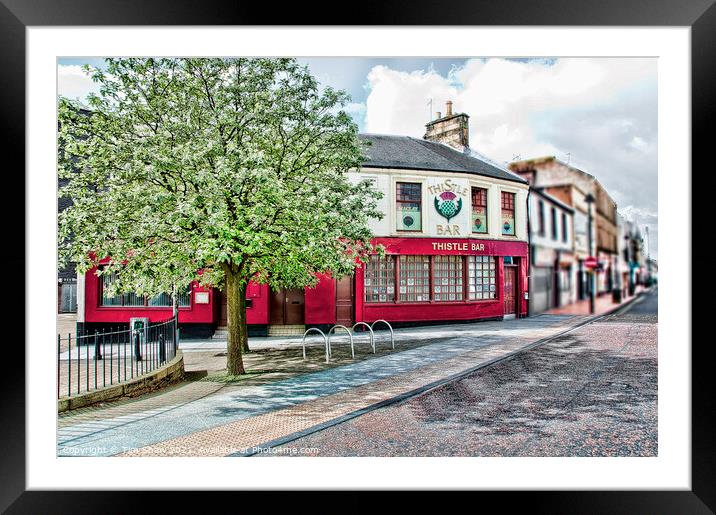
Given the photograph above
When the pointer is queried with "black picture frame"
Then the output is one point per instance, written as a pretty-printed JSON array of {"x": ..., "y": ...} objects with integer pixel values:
[{"x": 16, "y": 15}]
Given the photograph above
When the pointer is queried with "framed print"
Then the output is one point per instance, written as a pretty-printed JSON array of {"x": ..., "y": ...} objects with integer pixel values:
[{"x": 274, "y": 166}]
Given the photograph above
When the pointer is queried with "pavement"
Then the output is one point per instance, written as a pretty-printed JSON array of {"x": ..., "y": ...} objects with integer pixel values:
[
  {"x": 591, "y": 392},
  {"x": 602, "y": 304},
  {"x": 205, "y": 418},
  {"x": 66, "y": 328}
]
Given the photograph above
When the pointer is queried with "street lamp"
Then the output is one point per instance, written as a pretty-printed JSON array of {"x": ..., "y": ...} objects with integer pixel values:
[{"x": 589, "y": 199}]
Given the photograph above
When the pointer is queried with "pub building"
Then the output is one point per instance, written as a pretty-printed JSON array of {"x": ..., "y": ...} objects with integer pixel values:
[{"x": 455, "y": 235}]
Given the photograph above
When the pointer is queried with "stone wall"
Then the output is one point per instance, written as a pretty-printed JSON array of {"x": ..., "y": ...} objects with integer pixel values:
[{"x": 170, "y": 373}]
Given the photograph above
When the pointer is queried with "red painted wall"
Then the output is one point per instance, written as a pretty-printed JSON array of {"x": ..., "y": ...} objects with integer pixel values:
[
  {"x": 195, "y": 313},
  {"x": 258, "y": 313},
  {"x": 320, "y": 307},
  {"x": 320, "y": 300},
  {"x": 359, "y": 295},
  {"x": 523, "y": 286},
  {"x": 454, "y": 246}
]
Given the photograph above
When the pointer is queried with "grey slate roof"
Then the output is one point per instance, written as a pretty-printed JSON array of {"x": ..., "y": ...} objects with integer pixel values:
[{"x": 411, "y": 153}]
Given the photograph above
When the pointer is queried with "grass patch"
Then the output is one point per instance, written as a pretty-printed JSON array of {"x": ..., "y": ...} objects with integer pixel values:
[{"x": 223, "y": 377}]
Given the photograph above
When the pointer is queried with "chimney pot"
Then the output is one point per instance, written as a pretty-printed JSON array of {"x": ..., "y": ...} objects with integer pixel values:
[
  {"x": 448, "y": 108},
  {"x": 452, "y": 130}
]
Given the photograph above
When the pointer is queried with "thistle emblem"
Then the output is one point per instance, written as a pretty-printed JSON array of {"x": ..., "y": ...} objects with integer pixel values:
[{"x": 446, "y": 205}]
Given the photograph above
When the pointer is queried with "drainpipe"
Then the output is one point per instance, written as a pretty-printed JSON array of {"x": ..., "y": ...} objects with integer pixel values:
[{"x": 529, "y": 252}]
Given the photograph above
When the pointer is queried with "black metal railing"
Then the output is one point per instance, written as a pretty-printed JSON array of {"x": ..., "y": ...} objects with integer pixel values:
[{"x": 92, "y": 361}]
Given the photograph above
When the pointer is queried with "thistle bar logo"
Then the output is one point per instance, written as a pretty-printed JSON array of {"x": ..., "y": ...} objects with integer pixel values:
[{"x": 446, "y": 205}]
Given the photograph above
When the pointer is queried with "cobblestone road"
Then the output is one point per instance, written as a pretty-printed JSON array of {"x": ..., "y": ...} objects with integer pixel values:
[{"x": 590, "y": 392}]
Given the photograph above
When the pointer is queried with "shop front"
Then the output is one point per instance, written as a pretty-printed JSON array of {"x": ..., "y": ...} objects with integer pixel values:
[
  {"x": 455, "y": 246},
  {"x": 416, "y": 280},
  {"x": 440, "y": 280}
]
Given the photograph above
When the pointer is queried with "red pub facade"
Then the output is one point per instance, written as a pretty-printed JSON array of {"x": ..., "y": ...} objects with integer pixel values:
[{"x": 455, "y": 236}]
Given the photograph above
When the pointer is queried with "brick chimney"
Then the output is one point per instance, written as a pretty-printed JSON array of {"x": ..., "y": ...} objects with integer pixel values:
[{"x": 451, "y": 129}]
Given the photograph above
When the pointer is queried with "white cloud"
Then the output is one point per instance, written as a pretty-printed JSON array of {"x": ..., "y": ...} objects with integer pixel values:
[
  {"x": 355, "y": 108},
  {"x": 602, "y": 112},
  {"x": 74, "y": 83},
  {"x": 398, "y": 101}
]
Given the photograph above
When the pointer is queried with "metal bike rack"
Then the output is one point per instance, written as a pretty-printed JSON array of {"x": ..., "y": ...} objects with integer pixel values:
[
  {"x": 353, "y": 354},
  {"x": 392, "y": 338},
  {"x": 325, "y": 341},
  {"x": 372, "y": 338}
]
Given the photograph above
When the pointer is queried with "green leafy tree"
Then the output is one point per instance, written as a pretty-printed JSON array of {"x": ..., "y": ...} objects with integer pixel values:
[{"x": 221, "y": 171}]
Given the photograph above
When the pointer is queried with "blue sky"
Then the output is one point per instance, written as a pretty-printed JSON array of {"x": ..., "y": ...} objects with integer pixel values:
[{"x": 598, "y": 113}]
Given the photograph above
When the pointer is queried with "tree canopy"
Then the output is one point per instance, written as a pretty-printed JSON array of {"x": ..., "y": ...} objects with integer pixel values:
[
  {"x": 188, "y": 169},
  {"x": 217, "y": 170}
]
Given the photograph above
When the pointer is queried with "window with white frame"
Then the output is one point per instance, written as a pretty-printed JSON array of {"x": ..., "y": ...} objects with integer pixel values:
[
  {"x": 408, "y": 201},
  {"x": 414, "y": 278},
  {"x": 508, "y": 213},
  {"x": 553, "y": 219},
  {"x": 379, "y": 281},
  {"x": 481, "y": 278},
  {"x": 131, "y": 299},
  {"x": 447, "y": 278},
  {"x": 479, "y": 210}
]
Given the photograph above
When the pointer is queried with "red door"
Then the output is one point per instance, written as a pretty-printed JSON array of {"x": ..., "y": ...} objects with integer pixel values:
[
  {"x": 344, "y": 301},
  {"x": 278, "y": 299},
  {"x": 287, "y": 307},
  {"x": 294, "y": 306},
  {"x": 510, "y": 289}
]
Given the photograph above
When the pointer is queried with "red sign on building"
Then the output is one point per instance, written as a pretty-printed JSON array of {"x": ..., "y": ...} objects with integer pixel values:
[{"x": 591, "y": 262}]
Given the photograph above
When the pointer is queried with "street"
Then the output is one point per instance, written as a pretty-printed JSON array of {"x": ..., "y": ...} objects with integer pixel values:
[
  {"x": 590, "y": 392},
  {"x": 203, "y": 417}
]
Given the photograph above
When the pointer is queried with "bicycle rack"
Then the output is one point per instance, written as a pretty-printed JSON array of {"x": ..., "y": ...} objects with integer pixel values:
[
  {"x": 353, "y": 354},
  {"x": 372, "y": 338},
  {"x": 325, "y": 341},
  {"x": 392, "y": 338}
]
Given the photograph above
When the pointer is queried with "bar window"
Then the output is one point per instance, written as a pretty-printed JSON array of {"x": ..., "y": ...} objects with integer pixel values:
[
  {"x": 414, "y": 278},
  {"x": 481, "y": 272},
  {"x": 131, "y": 299},
  {"x": 379, "y": 282},
  {"x": 508, "y": 213},
  {"x": 565, "y": 228},
  {"x": 540, "y": 217},
  {"x": 447, "y": 278},
  {"x": 408, "y": 200},
  {"x": 479, "y": 210}
]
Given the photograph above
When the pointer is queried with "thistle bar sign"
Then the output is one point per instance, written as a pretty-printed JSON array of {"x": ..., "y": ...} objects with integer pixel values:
[
  {"x": 447, "y": 198},
  {"x": 448, "y": 204}
]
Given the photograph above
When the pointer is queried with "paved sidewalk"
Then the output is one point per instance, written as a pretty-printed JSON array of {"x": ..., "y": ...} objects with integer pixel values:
[
  {"x": 236, "y": 418},
  {"x": 602, "y": 304},
  {"x": 66, "y": 326}
]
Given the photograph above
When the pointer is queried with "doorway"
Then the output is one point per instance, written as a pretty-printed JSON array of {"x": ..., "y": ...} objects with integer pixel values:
[
  {"x": 510, "y": 295},
  {"x": 287, "y": 307},
  {"x": 344, "y": 301}
]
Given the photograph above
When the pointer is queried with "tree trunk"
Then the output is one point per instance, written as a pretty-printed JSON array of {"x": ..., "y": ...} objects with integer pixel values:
[{"x": 236, "y": 321}]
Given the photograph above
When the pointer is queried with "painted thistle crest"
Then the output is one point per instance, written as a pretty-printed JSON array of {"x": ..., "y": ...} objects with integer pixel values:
[{"x": 447, "y": 206}]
